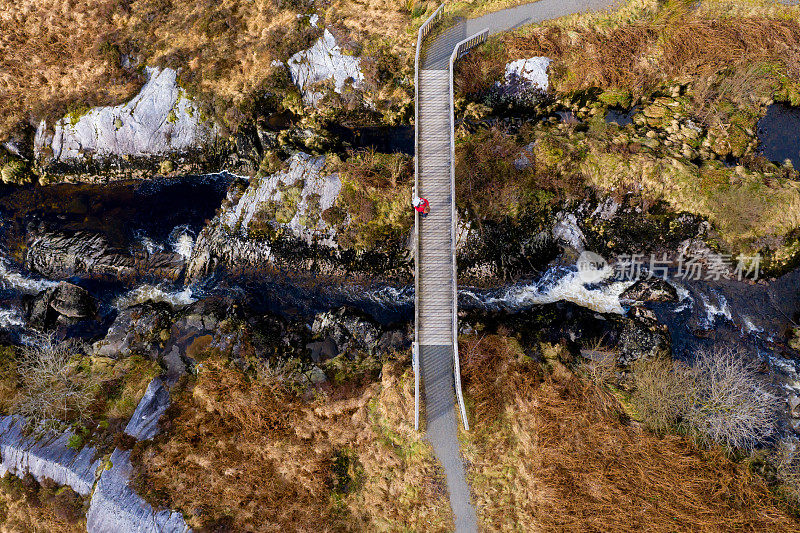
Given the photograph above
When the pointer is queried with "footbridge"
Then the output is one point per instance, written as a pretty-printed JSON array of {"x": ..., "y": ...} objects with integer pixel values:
[{"x": 436, "y": 361}]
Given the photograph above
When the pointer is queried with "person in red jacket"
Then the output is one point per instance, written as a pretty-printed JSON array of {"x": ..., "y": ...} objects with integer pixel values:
[{"x": 421, "y": 205}]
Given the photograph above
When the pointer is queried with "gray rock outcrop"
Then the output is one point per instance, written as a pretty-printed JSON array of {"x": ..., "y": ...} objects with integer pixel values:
[
  {"x": 46, "y": 455},
  {"x": 303, "y": 192},
  {"x": 346, "y": 330},
  {"x": 159, "y": 120},
  {"x": 143, "y": 424},
  {"x": 61, "y": 255},
  {"x": 136, "y": 329},
  {"x": 322, "y": 62},
  {"x": 287, "y": 204},
  {"x": 116, "y": 508}
]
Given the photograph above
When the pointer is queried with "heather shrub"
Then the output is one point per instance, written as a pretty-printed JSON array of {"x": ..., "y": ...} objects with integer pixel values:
[{"x": 729, "y": 403}]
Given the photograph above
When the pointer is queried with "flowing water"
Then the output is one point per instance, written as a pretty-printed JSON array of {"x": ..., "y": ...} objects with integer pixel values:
[{"x": 169, "y": 214}]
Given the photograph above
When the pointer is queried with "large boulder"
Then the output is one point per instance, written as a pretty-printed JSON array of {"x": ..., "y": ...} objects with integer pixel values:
[
  {"x": 533, "y": 71},
  {"x": 64, "y": 254},
  {"x": 65, "y": 303},
  {"x": 642, "y": 337},
  {"x": 650, "y": 290},
  {"x": 161, "y": 119}
]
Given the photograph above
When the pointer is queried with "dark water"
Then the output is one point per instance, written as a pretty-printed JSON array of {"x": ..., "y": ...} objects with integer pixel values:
[
  {"x": 382, "y": 139},
  {"x": 122, "y": 211},
  {"x": 127, "y": 214},
  {"x": 779, "y": 134},
  {"x": 622, "y": 117}
]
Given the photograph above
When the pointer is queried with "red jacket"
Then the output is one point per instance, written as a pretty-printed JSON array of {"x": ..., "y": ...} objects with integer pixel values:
[{"x": 423, "y": 205}]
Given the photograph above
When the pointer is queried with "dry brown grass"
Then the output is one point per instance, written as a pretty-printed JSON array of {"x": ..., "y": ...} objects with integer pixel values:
[
  {"x": 65, "y": 55},
  {"x": 553, "y": 453},
  {"x": 365, "y": 19},
  {"x": 490, "y": 186},
  {"x": 52, "y": 57},
  {"x": 738, "y": 59},
  {"x": 224, "y": 46},
  {"x": 251, "y": 455},
  {"x": 29, "y": 506}
]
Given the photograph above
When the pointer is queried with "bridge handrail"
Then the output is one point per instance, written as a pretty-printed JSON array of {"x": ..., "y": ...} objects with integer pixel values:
[
  {"x": 459, "y": 51},
  {"x": 423, "y": 32}
]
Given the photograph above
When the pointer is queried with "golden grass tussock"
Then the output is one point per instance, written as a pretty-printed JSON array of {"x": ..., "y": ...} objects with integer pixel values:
[
  {"x": 550, "y": 452},
  {"x": 389, "y": 18},
  {"x": 376, "y": 193},
  {"x": 250, "y": 454},
  {"x": 226, "y": 47},
  {"x": 743, "y": 206},
  {"x": 491, "y": 186}
]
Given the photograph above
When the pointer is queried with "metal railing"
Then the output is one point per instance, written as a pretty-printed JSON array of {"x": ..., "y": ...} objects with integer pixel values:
[
  {"x": 459, "y": 51},
  {"x": 423, "y": 32}
]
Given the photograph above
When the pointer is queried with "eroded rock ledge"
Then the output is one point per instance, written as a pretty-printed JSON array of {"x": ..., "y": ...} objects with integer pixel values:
[{"x": 114, "y": 507}]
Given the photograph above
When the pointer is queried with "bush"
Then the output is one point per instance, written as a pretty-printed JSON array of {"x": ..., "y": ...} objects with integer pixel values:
[
  {"x": 786, "y": 459},
  {"x": 52, "y": 385},
  {"x": 720, "y": 398},
  {"x": 730, "y": 404},
  {"x": 662, "y": 392}
]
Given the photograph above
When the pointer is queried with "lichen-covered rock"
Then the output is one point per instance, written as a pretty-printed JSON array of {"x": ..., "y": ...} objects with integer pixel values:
[
  {"x": 293, "y": 199},
  {"x": 286, "y": 206},
  {"x": 136, "y": 329},
  {"x": 159, "y": 120},
  {"x": 345, "y": 330},
  {"x": 143, "y": 424},
  {"x": 664, "y": 110},
  {"x": 116, "y": 508},
  {"x": 532, "y": 70},
  {"x": 642, "y": 338},
  {"x": 14, "y": 173},
  {"x": 324, "y": 61},
  {"x": 46, "y": 454}
]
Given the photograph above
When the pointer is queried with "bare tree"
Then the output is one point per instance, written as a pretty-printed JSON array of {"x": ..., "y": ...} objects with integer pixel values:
[
  {"x": 52, "y": 387},
  {"x": 730, "y": 404}
]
